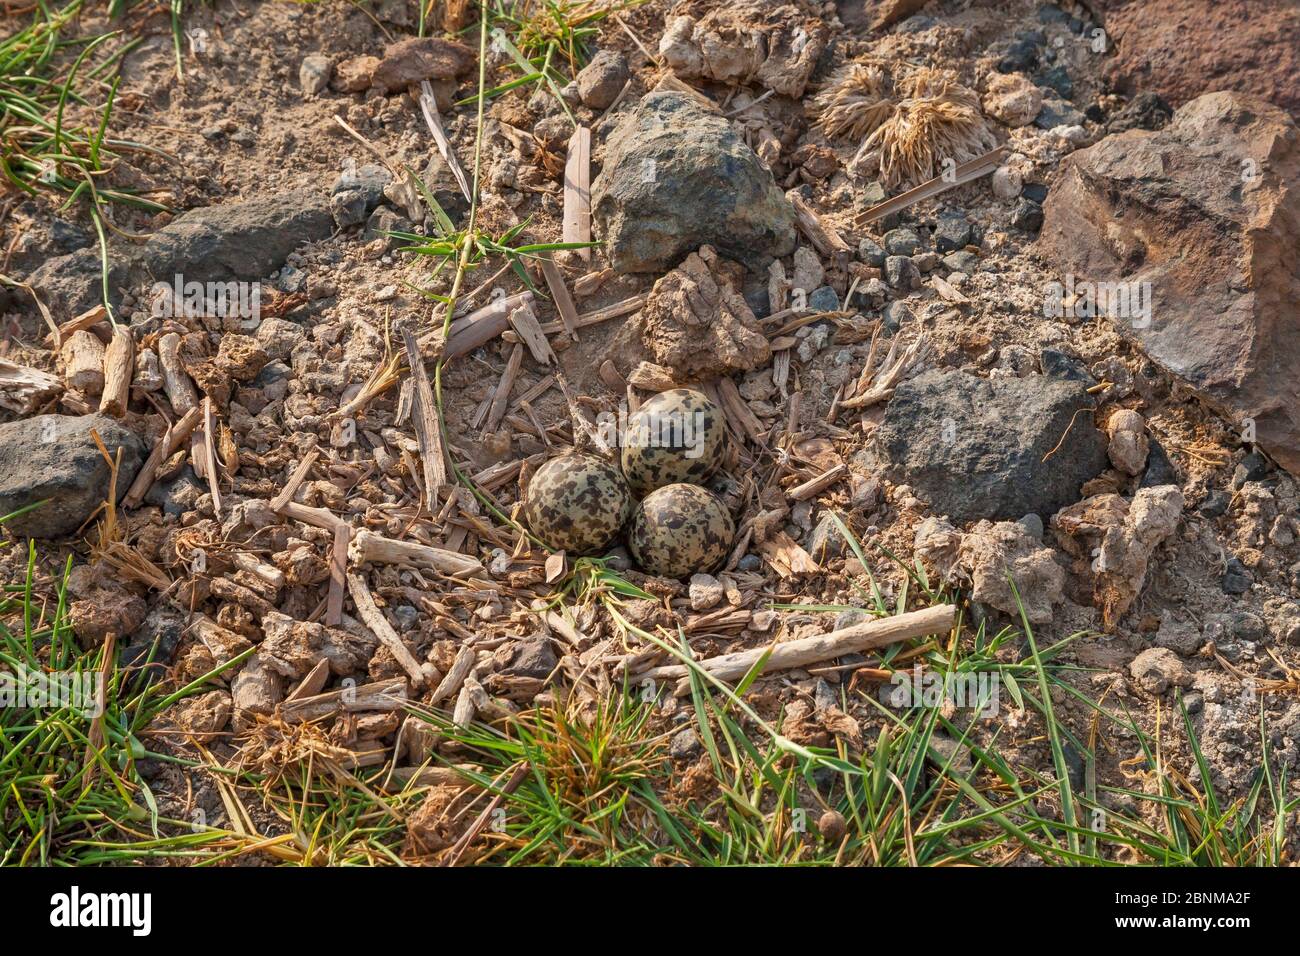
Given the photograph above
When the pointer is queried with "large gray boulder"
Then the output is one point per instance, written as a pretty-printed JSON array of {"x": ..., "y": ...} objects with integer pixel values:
[
  {"x": 678, "y": 176},
  {"x": 54, "y": 457},
  {"x": 231, "y": 241},
  {"x": 1202, "y": 218},
  {"x": 992, "y": 448}
]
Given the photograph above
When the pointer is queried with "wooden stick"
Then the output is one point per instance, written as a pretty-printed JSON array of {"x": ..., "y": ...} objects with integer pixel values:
[
  {"x": 22, "y": 389},
  {"x": 429, "y": 107},
  {"x": 822, "y": 647},
  {"x": 436, "y": 776},
  {"x": 815, "y": 486},
  {"x": 617, "y": 310},
  {"x": 966, "y": 172},
  {"x": 819, "y": 232},
  {"x": 210, "y": 455},
  {"x": 560, "y": 294},
  {"x": 738, "y": 409},
  {"x": 460, "y": 668},
  {"x": 176, "y": 381},
  {"x": 312, "y": 684},
  {"x": 338, "y": 572},
  {"x": 501, "y": 398},
  {"x": 650, "y": 377},
  {"x": 374, "y": 619},
  {"x": 316, "y": 517},
  {"x": 577, "y": 192},
  {"x": 428, "y": 430},
  {"x": 224, "y": 644},
  {"x": 291, "y": 487},
  {"x": 487, "y": 813},
  {"x": 92, "y": 316},
  {"x": 83, "y": 362},
  {"x": 119, "y": 367},
  {"x": 265, "y": 572},
  {"x": 482, "y": 326},
  {"x": 163, "y": 449},
  {"x": 524, "y": 321},
  {"x": 375, "y": 548},
  {"x": 384, "y": 695}
]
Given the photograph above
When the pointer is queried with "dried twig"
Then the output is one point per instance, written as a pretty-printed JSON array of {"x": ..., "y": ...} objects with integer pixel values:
[
  {"x": 577, "y": 191},
  {"x": 822, "y": 647},
  {"x": 374, "y": 619}
]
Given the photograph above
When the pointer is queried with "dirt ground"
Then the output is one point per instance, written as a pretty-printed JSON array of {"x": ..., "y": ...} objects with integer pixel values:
[{"x": 238, "y": 126}]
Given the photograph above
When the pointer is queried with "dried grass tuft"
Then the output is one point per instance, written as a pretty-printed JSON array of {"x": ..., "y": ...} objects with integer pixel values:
[
  {"x": 859, "y": 98},
  {"x": 913, "y": 118}
]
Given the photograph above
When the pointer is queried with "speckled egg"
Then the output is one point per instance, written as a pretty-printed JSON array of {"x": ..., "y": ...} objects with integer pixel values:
[
  {"x": 577, "y": 503},
  {"x": 679, "y": 530},
  {"x": 678, "y": 435}
]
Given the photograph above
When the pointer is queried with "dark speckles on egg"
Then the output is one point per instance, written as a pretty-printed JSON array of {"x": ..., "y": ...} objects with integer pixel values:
[
  {"x": 679, "y": 530},
  {"x": 577, "y": 503},
  {"x": 676, "y": 436}
]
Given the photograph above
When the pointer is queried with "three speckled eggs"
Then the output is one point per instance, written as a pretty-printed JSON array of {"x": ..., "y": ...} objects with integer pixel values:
[{"x": 579, "y": 502}]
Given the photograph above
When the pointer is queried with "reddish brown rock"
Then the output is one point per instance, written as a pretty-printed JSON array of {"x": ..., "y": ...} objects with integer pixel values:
[
  {"x": 1207, "y": 211},
  {"x": 696, "y": 322},
  {"x": 1183, "y": 48},
  {"x": 409, "y": 61}
]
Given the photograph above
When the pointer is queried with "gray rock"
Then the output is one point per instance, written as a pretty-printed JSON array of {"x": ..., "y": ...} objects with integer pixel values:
[
  {"x": 975, "y": 448},
  {"x": 533, "y": 658},
  {"x": 895, "y": 314},
  {"x": 1237, "y": 579},
  {"x": 155, "y": 642},
  {"x": 243, "y": 240},
  {"x": 1179, "y": 636},
  {"x": 1033, "y": 526},
  {"x": 348, "y": 208},
  {"x": 824, "y": 299},
  {"x": 1160, "y": 469},
  {"x": 951, "y": 233},
  {"x": 676, "y": 177},
  {"x": 685, "y": 744},
  {"x": 1058, "y": 80},
  {"x": 902, "y": 242},
  {"x": 870, "y": 252},
  {"x": 385, "y": 220},
  {"x": 1058, "y": 364},
  {"x": 314, "y": 73},
  {"x": 68, "y": 236},
  {"x": 601, "y": 80},
  {"x": 1215, "y": 504},
  {"x": 178, "y": 496},
  {"x": 442, "y": 183},
  {"x": 53, "y": 457},
  {"x": 369, "y": 179},
  {"x": 70, "y": 284},
  {"x": 851, "y": 616},
  {"x": 1056, "y": 112},
  {"x": 826, "y": 540},
  {"x": 705, "y": 592},
  {"x": 902, "y": 273},
  {"x": 1253, "y": 467},
  {"x": 1027, "y": 215},
  {"x": 961, "y": 261},
  {"x": 1157, "y": 669}
]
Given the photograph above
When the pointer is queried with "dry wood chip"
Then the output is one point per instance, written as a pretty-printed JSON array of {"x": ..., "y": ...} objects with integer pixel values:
[{"x": 374, "y": 619}]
